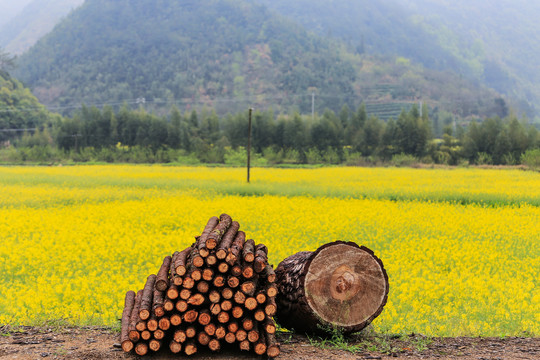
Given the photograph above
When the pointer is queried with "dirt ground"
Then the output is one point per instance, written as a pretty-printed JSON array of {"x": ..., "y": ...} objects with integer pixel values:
[{"x": 29, "y": 343}]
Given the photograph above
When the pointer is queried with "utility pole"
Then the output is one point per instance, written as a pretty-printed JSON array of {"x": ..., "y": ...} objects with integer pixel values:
[
  {"x": 249, "y": 145},
  {"x": 312, "y": 105}
]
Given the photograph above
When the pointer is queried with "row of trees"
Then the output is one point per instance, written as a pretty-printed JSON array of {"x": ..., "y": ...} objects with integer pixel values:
[{"x": 349, "y": 136}]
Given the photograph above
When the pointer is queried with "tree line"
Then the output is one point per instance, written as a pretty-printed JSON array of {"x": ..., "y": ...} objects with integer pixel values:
[{"x": 349, "y": 137}]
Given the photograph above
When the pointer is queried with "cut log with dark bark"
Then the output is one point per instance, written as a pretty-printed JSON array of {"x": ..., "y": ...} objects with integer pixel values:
[
  {"x": 133, "y": 334},
  {"x": 152, "y": 323},
  {"x": 270, "y": 274},
  {"x": 226, "y": 242},
  {"x": 248, "y": 253},
  {"x": 158, "y": 303},
  {"x": 340, "y": 285},
  {"x": 181, "y": 262},
  {"x": 271, "y": 308},
  {"x": 272, "y": 346},
  {"x": 147, "y": 298},
  {"x": 201, "y": 242},
  {"x": 129, "y": 303},
  {"x": 236, "y": 248},
  {"x": 219, "y": 231},
  {"x": 141, "y": 349},
  {"x": 162, "y": 280},
  {"x": 260, "y": 345}
]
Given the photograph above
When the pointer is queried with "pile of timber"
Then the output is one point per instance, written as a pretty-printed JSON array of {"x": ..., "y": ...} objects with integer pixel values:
[{"x": 221, "y": 290}]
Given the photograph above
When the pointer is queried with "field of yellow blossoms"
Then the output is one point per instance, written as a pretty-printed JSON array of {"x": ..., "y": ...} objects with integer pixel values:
[{"x": 461, "y": 246}]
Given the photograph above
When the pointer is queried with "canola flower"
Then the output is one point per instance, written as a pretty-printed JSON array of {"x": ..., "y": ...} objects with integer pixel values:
[{"x": 75, "y": 239}]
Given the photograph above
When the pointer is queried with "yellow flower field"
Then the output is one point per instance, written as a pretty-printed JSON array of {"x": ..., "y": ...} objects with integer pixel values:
[{"x": 461, "y": 247}]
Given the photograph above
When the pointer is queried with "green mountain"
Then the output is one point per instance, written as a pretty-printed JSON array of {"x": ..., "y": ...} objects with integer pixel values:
[
  {"x": 228, "y": 55},
  {"x": 19, "y": 109},
  {"x": 493, "y": 43},
  {"x": 37, "y": 18}
]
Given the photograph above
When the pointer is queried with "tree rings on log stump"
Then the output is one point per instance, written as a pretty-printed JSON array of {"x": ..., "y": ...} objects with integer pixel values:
[{"x": 340, "y": 285}]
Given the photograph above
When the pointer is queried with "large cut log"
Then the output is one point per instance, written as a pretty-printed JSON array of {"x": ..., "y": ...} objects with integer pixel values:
[
  {"x": 147, "y": 297},
  {"x": 129, "y": 303},
  {"x": 201, "y": 241},
  {"x": 340, "y": 285},
  {"x": 162, "y": 280}
]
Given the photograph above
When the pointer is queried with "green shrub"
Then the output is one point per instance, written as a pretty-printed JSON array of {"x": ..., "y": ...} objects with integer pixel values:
[
  {"x": 531, "y": 158},
  {"x": 402, "y": 159}
]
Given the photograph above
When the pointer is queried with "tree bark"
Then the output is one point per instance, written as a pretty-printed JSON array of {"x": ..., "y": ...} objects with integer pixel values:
[
  {"x": 340, "y": 285},
  {"x": 236, "y": 248},
  {"x": 181, "y": 261}
]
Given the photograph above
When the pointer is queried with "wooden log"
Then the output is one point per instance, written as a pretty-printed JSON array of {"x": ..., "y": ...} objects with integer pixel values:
[
  {"x": 162, "y": 280},
  {"x": 233, "y": 326},
  {"x": 188, "y": 283},
  {"x": 195, "y": 258},
  {"x": 261, "y": 258},
  {"x": 227, "y": 293},
  {"x": 201, "y": 242},
  {"x": 223, "y": 317},
  {"x": 241, "y": 335},
  {"x": 226, "y": 305},
  {"x": 219, "y": 281},
  {"x": 173, "y": 292},
  {"x": 159, "y": 334},
  {"x": 249, "y": 287},
  {"x": 251, "y": 303},
  {"x": 175, "y": 347},
  {"x": 180, "y": 336},
  {"x": 164, "y": 323},
  {"x": 147, "y": 297},
  {"x": 146, "y": 335},
  {"x": 247, "y": 271},
  {"x": 239, "y": 297},
  {"x": 168, "y": 305},
  {"x": 211, "y": 260},
  {"x": 174, "y": 277},
  {"x": 271, "y": 308},
  {"x": 272, "y": 290},
  {"x": 158, "y": 303},
  {"x": 219, "y": 231},
  {"x": 176, "y": 319},
  {"x": 233, "y": 281},
  {"x": 191, "y": 332},
  {"x": 129, "y": 303},
  {"x": 203, "y": 338},
  {"x": 141, "y": 325},
  {"x": 236, "y": 270},
  {"x": 259, "y": 315},
  {"x": 152, "y": 323},
  {"x": 208, "y": 274},
  {"x": 226, "y": 242},
  {"x": 196, "y": 299},
  {"x": 185, "y": 294},
  {"x": 154, "y": 345},
  {"x": 237, "y": 312},
  {"x": 133, "y": 334},
  {"x": 260, "y": 345},
  {"x": 340, "y": 285},
  {"x": 272, "y": 346},
  {"x": 223, "y": 267},
  {"x": 269, "y": 274},
  {"x": 190, "y": 348},
  {"x": 248, "y": 253},
  {"x": 236, "y": 248},
  {"x": 210, "y": 329},
  {"x": 214, "y": 296},
  {"x": 245, "y": 345},
  {"x": 181, "y": 306},
  {"x": 195, "y": 273},
  {"x": 269, "y": 325},
  {"x": 215, "y": 309},
  {"x": 181, "y": 261},
  {"x": 214, "y": 345},
  {"x": 254, "y": 334},
  {"x": 230, "y": 338},
  {"x": 247, "y": 324},
  {"x": 191, "y": 316},
  {"x": 204, "y": 317},
  {"x": 141, "y": 349},
  {"x": 220, "y": 332},
  {"x": 203, "y": 287},
  {"x": 260, "y": 297}
]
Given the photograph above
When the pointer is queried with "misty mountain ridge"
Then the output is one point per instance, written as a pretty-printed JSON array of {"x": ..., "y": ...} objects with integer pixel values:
[{"x": 194, "y": 52}]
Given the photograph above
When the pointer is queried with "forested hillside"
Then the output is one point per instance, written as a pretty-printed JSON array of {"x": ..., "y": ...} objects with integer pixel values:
[
  {"x": 25, "y": 27},
  {"x": 228, "y": 55}
]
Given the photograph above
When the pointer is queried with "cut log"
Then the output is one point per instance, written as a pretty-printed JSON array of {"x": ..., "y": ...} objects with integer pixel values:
[
  {"x": 210, "y": 329},
  {"x": 219, "y": 281},
  {"x": 261, "y": 258},
  {"x": 175, "y": 347},
  {"x": 233, "y": 281},
  {"x": 203, "y": 338},
  {"x": 147, "y": 298},
  {"x": 251, "y": 303},
  {"x": 249, "y": 287},
  {"x": 188, "y": 283},
  {"x": 201, "y": 242},
  {"x": 152, "y": 323},
  {"x": 191, "y": 316},
  {"x": 248, "y": 253},
  {"x": 181, "y": 306},
  {"x": 191, "y": 332},
  {"x": 247, "y": 324},
  {"x": 219, "y": 231},
  {"x": 239, "y": 297},
  {"x": 133, "y": 334},
  {"x": 176, "y": 319},
  {"x": 154, "y": 345},
  {"x": 181, "y": 262},
  {"x": 185, "y": 294},
  {"x": 204, "y": 317},
  {"x": 269, "y": 325},
  {"x": 208, "y": 274},
  {"x": 214, "y": 345},
  {"x": 237, "y": 312},
  {"x": 159, "y": 334},
  {"x": 260, "y": 297},
  {"x": 340, "y": 285},
  {"x": 223, "y": 267},
  {"x": 233, "y": 327},
  {"x": 159, "y": 302},
  {"x": 230, "y": 338},
  {"x": 146, "y": 335},
  {"x": 269, "y": 273},
  {"x": 164, "y": 323},
  {"x": 214, "y": 296},
  {"x": 215, "y": 309},
  {"x": 227, "y": 293},
  {"x": 141, "y": 349},
  {"x": 180, "y": 336},
  {"x": 226, "y": 242},
  {"x": 253, "y": 334},
  {"x": 223, "y": 317},
  {"x": 244, "y": 345},
  {"x": 203, "y": 287},
  {"x": 190, "y": 348},
  {"x": 162, "y": 280},
  {"x": 211, "y": 260},
  {"x": 260, "y": 345},
  {"x": 248, "y": 272},
  {"x": 226, "y": 305},
  {"x": 241, "y": 335},
  {"x": 221, "y": 332},
  {"x": 173, "y": 292},
  {"x": 196, "y": 299},
  {"x": 271, "y": 308},
  {"x": 272, "y": 346},
  {"x": 168, "y": 305},
  {"x": 129, "y": 303},
  {"x": 236, "y": 248}
]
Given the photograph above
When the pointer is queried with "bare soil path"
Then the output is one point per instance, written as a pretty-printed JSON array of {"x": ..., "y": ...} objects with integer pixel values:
[{"x": 29, "y": 343}]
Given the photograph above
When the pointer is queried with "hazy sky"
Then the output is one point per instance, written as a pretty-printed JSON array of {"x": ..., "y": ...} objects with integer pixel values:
[{"x": 10, "y": 8}]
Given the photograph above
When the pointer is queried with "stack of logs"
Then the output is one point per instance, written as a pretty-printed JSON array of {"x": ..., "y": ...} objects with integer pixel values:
[{"x": 221, "y": 290}]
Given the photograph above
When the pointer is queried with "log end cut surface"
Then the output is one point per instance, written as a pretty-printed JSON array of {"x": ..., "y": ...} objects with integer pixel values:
[{"x": 346, "y": 285}]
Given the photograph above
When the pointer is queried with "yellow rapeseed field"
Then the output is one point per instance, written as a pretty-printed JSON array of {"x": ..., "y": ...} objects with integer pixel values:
[{"x": 461, "y": 247}]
